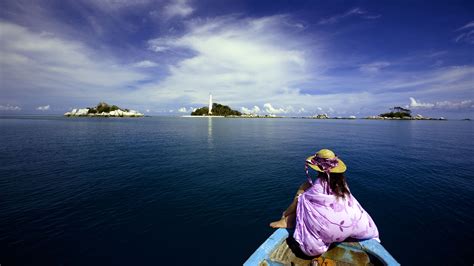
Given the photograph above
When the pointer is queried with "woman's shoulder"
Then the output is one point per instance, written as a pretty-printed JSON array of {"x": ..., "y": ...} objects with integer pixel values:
[
  {"x": 305, "y": 185},
  {"x": 319, "y": 186}
]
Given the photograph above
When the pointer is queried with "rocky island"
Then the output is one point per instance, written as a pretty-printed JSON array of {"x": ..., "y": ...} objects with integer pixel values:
[
  {"x": 400, "y": 113},
  {"x": 103, "y": 110}
]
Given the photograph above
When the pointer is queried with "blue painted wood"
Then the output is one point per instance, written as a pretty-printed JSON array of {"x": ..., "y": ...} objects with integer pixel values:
[
  {"x": 263, "y": 252},
  {"x": 375, "y": 248}
]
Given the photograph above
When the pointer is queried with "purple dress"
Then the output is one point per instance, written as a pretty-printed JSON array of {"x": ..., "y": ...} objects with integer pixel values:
[{"x": 322, "y": 219}]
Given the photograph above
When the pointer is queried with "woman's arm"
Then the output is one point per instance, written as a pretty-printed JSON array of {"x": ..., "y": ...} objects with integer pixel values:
[{"x": 292, "y": 208}]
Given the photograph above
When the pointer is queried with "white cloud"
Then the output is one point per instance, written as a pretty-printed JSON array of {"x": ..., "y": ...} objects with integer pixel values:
[
  {"x": 327, "y": 110},
  {"x": 56, "y": 67},
  {"x": 418, "y": 104},
  {"x": 114, "y": 5},
  {"x": 179, "y": 8},
  {"x": 272, "y": 110},
  {"x": 9, "y": 107},
  {"x": 373, "y": 67},
  {"x": 458, "y": 78},
  {"x": 259, "y": 58},
  {"x": 161, "y": 44},
  {"x": 455, "y": 105},
  {"x": 157, "y": 48},
  {"x": 145, "y": 63},
  {"x": 246, "y": 61},
  {"x": 254, "y": 110},
  {"x": 43, "y": 108},
  {"x": 466, "y": 37},
  {"x": 352, "y": 12},
  {"x": 467, "y": 33},
  {"x": 467, "y": 26},
  {"x": 441, "y": 105},
  {"x": 186, "y": 110}
]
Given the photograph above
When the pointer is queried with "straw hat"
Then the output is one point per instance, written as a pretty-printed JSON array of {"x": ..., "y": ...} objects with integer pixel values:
[{"x": 326, "y": 154}]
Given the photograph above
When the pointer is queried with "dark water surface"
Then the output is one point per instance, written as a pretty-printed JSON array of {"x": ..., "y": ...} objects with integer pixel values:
[{"x": 200, "y": 191}]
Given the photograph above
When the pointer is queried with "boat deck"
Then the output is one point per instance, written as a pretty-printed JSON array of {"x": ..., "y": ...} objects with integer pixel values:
[
  {"x": 282, "y": 249},
  {"x": 341, "y": 254}
]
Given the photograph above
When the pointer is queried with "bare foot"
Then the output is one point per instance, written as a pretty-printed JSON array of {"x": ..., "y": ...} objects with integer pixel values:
[{"x": 279, "y": 224}]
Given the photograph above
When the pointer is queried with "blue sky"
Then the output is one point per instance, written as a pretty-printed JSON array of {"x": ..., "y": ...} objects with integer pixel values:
[{"x": 282, "y": 57}]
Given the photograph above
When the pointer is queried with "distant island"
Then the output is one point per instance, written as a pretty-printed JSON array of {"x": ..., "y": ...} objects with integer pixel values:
[
  {"x": 216, "y": 110},
  {"x": 103, "y": 110},
  {"x": 400, "y": 113},
  {"x": 326, "y": 116},
  {"x": 396, "y": 113}
]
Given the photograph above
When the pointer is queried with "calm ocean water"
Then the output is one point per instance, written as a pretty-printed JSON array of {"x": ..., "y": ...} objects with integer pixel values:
[{"x": 200, "y": 191}]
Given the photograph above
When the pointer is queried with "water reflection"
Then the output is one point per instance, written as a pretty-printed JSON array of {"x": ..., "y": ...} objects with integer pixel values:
[{"x": 209, "y": 133}]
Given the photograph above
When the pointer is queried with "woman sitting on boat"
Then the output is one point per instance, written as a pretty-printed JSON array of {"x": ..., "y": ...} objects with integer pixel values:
[{"x": 325, "y": 211}]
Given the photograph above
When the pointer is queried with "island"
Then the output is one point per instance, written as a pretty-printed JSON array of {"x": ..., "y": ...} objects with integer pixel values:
[
  {"x": 220, "y": 110},
  {"x": 400, "y": 113},
  {"x": 103, "y": 110},
  {"x": 216, "y": 110}
]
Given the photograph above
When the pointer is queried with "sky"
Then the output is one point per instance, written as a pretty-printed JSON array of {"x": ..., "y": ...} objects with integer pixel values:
[{"x": 289, "y": 58}]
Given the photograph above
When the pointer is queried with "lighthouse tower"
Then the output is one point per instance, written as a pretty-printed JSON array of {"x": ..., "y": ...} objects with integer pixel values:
[{"x": 210, "y": 104}]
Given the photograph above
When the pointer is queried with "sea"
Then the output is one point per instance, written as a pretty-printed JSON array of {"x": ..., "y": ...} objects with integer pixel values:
[{"x": 202, "y": 191}]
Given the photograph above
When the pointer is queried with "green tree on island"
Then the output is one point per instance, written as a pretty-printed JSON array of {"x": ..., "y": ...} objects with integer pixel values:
[
  {"x": 217, "y": 109},
  {"x": 397, "y": 111},
  {"x": 103, "y": 107}
]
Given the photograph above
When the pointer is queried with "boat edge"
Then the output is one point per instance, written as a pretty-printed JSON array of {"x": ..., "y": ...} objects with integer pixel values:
[
  {"x": 375, "y": 248},
  {"x": 264, "y": 250}
]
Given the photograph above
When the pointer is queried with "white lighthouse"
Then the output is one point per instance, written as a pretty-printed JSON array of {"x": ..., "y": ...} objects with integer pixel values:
[{"x": 210, "y": 104}]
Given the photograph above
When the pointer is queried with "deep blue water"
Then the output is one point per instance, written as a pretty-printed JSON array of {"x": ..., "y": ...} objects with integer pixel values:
[{"x": 199, "y": 191}]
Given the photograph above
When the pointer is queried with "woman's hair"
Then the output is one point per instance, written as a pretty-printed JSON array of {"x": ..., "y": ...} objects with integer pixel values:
[{"x": 337, "y": 183}]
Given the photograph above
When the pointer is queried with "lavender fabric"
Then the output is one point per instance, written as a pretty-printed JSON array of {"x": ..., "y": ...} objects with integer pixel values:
[{"x": 322, "y": 219}]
